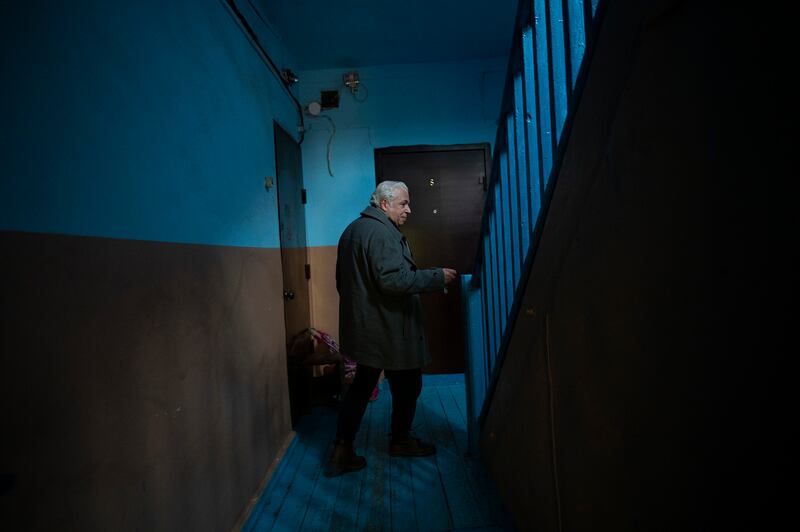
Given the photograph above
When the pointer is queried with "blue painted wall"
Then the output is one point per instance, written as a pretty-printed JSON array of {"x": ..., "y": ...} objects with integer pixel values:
[
  {"x": 431, "y": 103},
  {"x": 141, "y": 120}
]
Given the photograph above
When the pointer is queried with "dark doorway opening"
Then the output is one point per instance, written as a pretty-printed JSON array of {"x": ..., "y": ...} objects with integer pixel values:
[
  {"x": 447, "y": 186},
  {"x": 294, "y": 262}
]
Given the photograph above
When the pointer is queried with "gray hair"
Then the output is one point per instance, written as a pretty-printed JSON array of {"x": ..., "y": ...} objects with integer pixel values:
[{"x": 385, "y": 191}]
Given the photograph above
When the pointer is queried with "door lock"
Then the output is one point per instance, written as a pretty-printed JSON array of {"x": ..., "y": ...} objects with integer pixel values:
[{"x": 287, "y": 295}]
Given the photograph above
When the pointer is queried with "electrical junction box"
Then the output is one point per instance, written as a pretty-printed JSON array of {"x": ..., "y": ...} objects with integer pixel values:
[{"x": 329, "y": 99}]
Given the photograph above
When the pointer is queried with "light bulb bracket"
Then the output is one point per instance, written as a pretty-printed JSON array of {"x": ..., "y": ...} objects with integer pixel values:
[{"x": 351, "y": 81}]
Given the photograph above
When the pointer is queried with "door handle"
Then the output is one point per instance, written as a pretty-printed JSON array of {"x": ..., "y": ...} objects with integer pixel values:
[{"x": 288, "y": 294}]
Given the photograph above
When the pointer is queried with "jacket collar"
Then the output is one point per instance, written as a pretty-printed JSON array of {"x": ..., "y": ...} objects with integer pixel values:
[
  {"x": 377, "y": 214},
  {"x": 374, "y": 212}
]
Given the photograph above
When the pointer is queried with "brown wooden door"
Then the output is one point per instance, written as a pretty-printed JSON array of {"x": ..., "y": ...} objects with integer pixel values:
[
  {"x": 446, "y": 188},
  {"x": 291, "y": 216}
]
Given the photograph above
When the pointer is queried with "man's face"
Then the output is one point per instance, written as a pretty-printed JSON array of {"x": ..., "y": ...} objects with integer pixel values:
[{"x": 398, "y": 209}]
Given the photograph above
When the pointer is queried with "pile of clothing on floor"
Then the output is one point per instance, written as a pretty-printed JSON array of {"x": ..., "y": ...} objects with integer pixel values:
[
  {"x": 348, "y": 365},
  {"x": 319, "y": 373}
]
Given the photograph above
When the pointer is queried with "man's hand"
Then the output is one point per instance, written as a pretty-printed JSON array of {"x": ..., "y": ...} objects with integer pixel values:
[{"x": 449, "y": 275}]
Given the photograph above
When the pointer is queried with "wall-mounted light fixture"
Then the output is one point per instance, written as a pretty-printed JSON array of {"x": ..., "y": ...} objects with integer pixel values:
[
  {"x": 351, "y": 81},
  {"x": 357, "y": 89}
]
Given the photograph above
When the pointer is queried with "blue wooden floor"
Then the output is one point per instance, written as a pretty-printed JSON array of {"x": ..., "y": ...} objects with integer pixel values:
[{"x": 447, "y": 491}]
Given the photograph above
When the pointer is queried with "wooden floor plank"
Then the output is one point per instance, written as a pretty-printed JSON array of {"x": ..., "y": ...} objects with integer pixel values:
[
  {"x": 455, "y": 420},
  {"x": 457, "y": 426},
  {"x": 430, "y": 502},
  {"x": 294, "y": 509},
  {"x": 480, "y": 483},
  {"x": 346, "y": 508},
  {"x": 319, "y": 509},
  {"x": 268, "y": 507},
  {"x": 460, "y": 396},
  {"x": 402, "y": 495},
  {"x": 401, "y": 498},
  {"x": 460, "y": 500},
  {"x": 374, "y": 509}
]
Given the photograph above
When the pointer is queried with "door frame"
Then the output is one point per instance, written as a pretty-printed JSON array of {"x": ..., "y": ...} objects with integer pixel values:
[
  {"x": 487, "y": 163},
  {"x": 485, "y": 146},
  {"x": 433, "y": 148},
  {"x": 275, "y": 127},
  {"x": 297, "y": 384}
]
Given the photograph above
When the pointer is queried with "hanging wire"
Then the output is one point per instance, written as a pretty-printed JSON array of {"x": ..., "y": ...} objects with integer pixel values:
[
  {"x": 330, "y": 141},
  {"x": 366, "y": 93}
]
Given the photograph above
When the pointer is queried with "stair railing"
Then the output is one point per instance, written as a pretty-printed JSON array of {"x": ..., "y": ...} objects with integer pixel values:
[{"x": 544, "y": 80}]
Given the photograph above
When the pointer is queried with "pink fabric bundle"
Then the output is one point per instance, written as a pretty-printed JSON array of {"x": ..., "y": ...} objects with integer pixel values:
[{"x": 348, "y": 363}]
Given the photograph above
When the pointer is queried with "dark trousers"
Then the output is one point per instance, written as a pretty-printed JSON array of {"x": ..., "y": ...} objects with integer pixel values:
[{"x": 405, "y": 386}]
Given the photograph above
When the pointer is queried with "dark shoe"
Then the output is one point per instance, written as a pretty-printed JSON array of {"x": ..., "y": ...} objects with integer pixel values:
[
  {"x": 344, "y": 460},
  {"x": 411, "y": 446}
]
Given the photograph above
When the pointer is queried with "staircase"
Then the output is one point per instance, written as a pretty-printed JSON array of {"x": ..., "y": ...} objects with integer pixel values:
[{"x": 615, "y": 317}]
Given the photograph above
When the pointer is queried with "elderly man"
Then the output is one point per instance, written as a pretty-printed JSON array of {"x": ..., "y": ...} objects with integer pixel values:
[{"x": 380, "y": 322}]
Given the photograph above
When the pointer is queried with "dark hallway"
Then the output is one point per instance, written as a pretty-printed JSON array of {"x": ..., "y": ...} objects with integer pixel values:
[{"x": 626, "y": 353}]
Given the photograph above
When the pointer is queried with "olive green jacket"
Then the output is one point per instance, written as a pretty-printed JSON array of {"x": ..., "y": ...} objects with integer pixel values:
[{"x": 380, "y": 316}]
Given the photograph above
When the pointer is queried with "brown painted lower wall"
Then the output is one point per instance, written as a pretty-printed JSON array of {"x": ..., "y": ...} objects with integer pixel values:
[
  {"x": 324, "y": 297},
  {"x": 144, "y": 384}
]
